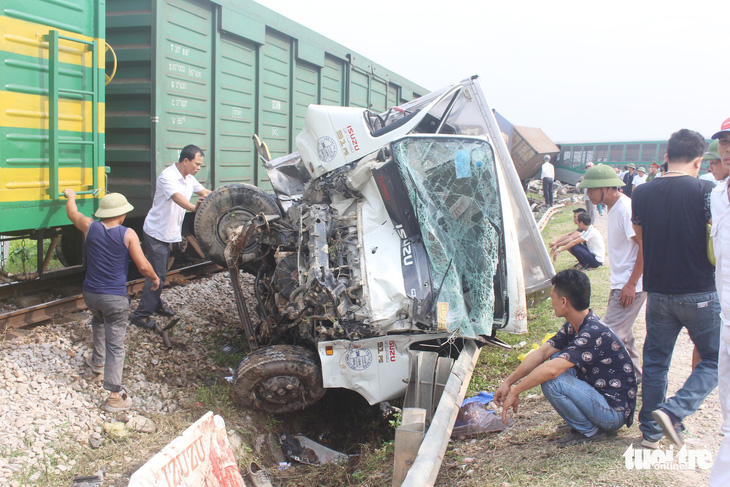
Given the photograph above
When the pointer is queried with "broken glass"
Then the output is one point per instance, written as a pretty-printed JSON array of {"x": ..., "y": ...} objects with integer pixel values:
[{"x": 452, "y": 186}]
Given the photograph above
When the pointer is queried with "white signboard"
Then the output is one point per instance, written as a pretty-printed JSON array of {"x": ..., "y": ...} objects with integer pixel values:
[{"x": 200, "y": 456}]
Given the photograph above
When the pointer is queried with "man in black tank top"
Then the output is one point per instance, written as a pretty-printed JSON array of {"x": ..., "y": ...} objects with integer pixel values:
[{"x": 109, "y": 246}]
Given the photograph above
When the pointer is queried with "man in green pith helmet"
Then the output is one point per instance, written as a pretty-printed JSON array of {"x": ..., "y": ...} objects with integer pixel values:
[
  {"x": 109, "y": 246},
  {"x": 624, "y": 253},
  {"x": 714, "y": 163}
]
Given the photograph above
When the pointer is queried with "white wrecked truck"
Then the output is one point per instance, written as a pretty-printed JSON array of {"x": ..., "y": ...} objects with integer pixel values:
[{"x": 388, "y": 234}]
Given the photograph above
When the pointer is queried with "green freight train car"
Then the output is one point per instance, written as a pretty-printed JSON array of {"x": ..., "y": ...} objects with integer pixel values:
[
  {"x": 51, "y": 110},
  {"x": 206, "y": 72},
  {"x": 213, "y": 73}
]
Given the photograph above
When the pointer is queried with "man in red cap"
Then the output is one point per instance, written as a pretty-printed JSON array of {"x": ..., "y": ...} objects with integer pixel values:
[
  {"x": 720, "y": 206},
  {"x": 652, "y": 171}
]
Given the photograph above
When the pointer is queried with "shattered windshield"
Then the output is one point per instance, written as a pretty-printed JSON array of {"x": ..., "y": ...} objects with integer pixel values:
[{"x": 452, "y": 185}]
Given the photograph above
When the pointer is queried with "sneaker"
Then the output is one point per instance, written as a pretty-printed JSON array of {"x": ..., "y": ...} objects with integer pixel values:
[
  {"x": 576, "y": 438},
  {"x": 165, "y": 311},
  {"x": 97, "y": 369},
  {"x": 671, "y": 425},
  {"x": 259, "y": 477},
  {"x": 563, "y": 428},
  {"x": 647, "y": 443},
  {"x": 145, "y": 323},
  {"x": 116, "y": 404}
]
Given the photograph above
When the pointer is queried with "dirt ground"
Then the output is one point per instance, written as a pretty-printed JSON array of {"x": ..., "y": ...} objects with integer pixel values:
[{"x": 529, "y": 439}]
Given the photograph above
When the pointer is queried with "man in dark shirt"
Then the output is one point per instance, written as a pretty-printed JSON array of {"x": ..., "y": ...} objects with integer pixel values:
[
  {"x": 589, "y": 378},
  {"x": 629, "y": 179},
  {"x": 109, "y": 246},
  {"x": 670, "y": 215}
]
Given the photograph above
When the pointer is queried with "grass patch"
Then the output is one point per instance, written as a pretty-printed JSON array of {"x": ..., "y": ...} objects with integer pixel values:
[{"x": 22, "y": 256}]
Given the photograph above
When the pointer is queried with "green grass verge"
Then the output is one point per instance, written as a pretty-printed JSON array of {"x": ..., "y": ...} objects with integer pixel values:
[{"x": 22, "y": 257}]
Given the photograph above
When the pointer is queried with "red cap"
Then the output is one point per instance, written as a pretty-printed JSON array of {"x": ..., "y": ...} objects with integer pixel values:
[
  {"x": 725, "y": 128},
  {"x": 654, "y": 164}
]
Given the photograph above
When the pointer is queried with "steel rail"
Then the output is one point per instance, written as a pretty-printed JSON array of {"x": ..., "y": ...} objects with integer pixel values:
[{"x": 46, "y": 311}]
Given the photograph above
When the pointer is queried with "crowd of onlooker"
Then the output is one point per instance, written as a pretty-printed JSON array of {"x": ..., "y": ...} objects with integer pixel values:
[{"x": 668, "y": 243}]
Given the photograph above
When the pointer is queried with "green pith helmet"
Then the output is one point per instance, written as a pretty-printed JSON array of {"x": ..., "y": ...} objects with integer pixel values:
[
  {"x": 632, "y": 165},
  {"x": 712, "y": 152},
  {"x": 113, "y": 204},
  {"x": 600, "y": 176}
]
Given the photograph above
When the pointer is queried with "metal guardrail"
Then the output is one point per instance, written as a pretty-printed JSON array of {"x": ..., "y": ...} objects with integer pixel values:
[{"x": 427, "y": 464}]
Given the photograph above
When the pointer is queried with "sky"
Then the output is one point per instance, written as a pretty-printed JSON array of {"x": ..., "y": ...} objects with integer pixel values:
[{"x": 582, "y": 71}]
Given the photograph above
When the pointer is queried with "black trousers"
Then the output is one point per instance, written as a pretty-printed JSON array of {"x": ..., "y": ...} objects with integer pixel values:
[
  {"x": 158, "y": 253},
  {"x": 547, "y": 189}
]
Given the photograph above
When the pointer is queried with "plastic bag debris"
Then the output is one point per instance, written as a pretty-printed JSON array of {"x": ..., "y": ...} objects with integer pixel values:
[
  {"x": 483, "y": 398},
  {"x": 474, "y": 417},
  {"x": 304, "y": 450}
]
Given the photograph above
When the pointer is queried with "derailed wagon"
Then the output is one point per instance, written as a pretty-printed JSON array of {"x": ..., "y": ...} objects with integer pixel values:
[{"x": 388, "y": 235}]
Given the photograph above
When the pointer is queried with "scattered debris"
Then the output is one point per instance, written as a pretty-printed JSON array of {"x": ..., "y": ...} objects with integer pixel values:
[
  {"x": 304, "y": 450},
  {"x": 535, "y": 346},
  {"x": 89, "y": 480},
  {"x": 259, "y": 476},
  {"x": 475, "y": 417},
  {"x": 116, "y": 429}
]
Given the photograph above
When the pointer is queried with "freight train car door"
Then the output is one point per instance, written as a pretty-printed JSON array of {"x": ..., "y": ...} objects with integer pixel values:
[
  {"x": 235, "y": 104},
  {"x": 185, "y": 75}
]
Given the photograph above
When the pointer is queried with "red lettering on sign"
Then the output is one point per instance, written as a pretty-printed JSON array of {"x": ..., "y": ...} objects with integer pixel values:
[
  {"x": 182, "y": 464},
  {"x": 391, "y": 349},
  {"x": 351, "y": 132}
]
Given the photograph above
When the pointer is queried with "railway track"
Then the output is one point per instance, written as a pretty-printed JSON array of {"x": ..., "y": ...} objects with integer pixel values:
[{"x": 46, "y": 311}]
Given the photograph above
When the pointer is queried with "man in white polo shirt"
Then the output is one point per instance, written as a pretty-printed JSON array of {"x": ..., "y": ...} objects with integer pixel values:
[
  {"x": 626, "y": 259},
  {"x": 163, "y": 226}
]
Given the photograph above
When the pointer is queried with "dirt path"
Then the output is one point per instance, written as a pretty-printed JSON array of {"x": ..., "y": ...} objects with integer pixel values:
[{"x": 703, "y": 427}]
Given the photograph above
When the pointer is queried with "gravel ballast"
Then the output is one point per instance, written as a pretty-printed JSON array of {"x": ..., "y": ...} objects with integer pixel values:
[{"x": 50, "y": 398}]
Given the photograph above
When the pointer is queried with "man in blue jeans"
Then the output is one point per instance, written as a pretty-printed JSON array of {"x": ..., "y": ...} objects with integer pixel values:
[
  {"x": 589, "y": 377},
  {"x": 670, "y": 215}
]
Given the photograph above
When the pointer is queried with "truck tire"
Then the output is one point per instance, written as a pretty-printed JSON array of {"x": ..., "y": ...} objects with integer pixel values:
[
  {"x": 70, "y": 249},
  {"x": 278, "y": 379},
  {"x": 226, "y": 208}
]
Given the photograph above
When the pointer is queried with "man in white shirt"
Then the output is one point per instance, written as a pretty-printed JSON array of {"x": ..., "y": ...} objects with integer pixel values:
[
  {"x": 718, "y": 171},
  {"x": 548, "y": 176},
  {"x": 588, "y": 248},
  {"x": 163, "y": 226},
  {"x": 639, "y": 177},
  {"x": 720, "y": 207},
  {"x": 626, "y": 259}
]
